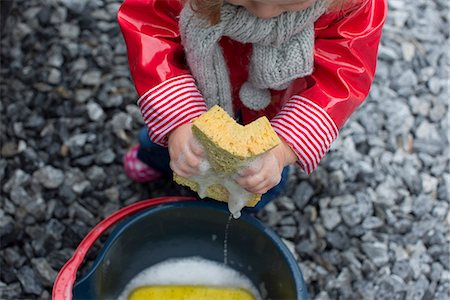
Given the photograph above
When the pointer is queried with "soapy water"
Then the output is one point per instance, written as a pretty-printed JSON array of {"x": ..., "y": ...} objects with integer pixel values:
[
  {"x": 190, "y": 271},
  {"x": 238, "y": 196}
]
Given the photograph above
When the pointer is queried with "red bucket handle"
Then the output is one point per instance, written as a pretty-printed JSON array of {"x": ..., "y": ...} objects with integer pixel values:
[{"x": 62, "y": 289}]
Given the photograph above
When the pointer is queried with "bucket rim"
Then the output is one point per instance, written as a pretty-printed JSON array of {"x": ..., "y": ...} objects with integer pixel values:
[{"x": 62, "y": 288}]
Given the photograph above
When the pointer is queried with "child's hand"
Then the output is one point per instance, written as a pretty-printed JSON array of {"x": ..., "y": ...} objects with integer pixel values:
[
  {"x": 265, "y": 172},
  {"x": 185, "y": 151}
]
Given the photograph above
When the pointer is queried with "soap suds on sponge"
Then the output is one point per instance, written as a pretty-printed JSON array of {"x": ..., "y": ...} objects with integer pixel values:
[
  {"x": 229, "y": 147},
  {"x": 238, "y": 196}
]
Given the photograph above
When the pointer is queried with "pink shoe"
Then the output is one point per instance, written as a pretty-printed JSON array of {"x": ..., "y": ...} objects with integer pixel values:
[{"x": 136, "y": 169}]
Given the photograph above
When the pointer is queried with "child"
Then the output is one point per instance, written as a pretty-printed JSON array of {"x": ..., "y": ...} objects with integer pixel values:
[{"x": 305, "y": 64}]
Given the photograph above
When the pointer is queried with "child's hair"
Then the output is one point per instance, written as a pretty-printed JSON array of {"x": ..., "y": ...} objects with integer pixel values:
[{"x": 210, "y": 9}]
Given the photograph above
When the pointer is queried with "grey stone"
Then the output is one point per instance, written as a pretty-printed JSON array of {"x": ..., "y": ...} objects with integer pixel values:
[
  {"x": 408, "y": 51},
  {"x": 44, "y": 271},
  {"x": 58, "y": 16},
  {"x": 91, "y": 78},
  {"x": 303, "y": 193},
  {"x": 111, "y": 100},
  {"x": 419, "y": 260},
  {"x": 9, "y": 149},
  {"x": 422, "y": 205},
  {"x": 67, "y": 195},
  {"x": 420, "y": 106},
  {"x": 54, "y": 77},
  {"x": 440, "y": 209},
  {"x": 330, "y": 218},
  {"x": 288, "y": 221},
  {"x": 390, "y": 287},
  {"x": 56, "y": 59},
  {"x": 13, "y": 258},
  {"x": 135, "y": 113},
  {"x": 80, "y": 187},
  {"x": 10, "y": 291},
  {"x": 342, "y": 282},
  {"x": 343, "y": 200},
  {"x": 121, "y": 121},
  {"x": 109, "y": 208},
  {"x": 388, "y": 54},
  {"x": 82, "y": 95},
  {"x": 105, "y": 157},
  {"x": 407, "y": 79},
  {"x": 18, "y": 179},
  {"x": 69, "y": 31},
  {"x": 82, "y": 213},
  {"x": 436, "y": 272},
  {"x": 286, "y": 203},
  {"x": 427, "y": 132},
  {"x": 49, "y": 177},
  {"x": 76, "y": 6},
  {"x": 20, "y": 197},
  {"x": 418, "y": 289},
  {"x": 323, "y": 295},
  {"x": 438, "y": 113},
  {"x": 77, "y": 140},
  {"x": 442, "y": 291},
  {"x": 338, "y": 240},
  {"x": 29, "y": 281},
  {"x": 434, "y": 84},
  {"x": 95, "y": 111},
  {"x": 287, "y": 232},
  {"x": 403, "y": 269},
  {"x": 36, "y": 208},
  {"x": 429, "y": 183},
  {"x": 55, "y": 229},
  {"x": 372, "y": 222},
  {"x": 353, "y": 214},
  {"x": 96, "y": 174},
  {"x": 376, "y": 252}
]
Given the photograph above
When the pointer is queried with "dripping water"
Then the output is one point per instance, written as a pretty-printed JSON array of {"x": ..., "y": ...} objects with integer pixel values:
[{"x": 225, "y": 241}]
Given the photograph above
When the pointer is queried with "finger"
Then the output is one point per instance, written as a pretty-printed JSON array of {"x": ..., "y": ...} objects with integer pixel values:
[
  {"x": 197, "y": 148},
  {"x": 182, "y": 170},
  {"x": 191, "y": 160},
  {"x": 248, "y": 182},
  {"x": 250, "y": 170},
  {"x": 264, "y": 187},
  {"x": 177, "y": 170},
  {"x": 180, "y": 167}
]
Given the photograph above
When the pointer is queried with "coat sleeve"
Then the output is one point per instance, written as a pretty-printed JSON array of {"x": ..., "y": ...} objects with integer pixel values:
[
  {"x": 346, "y": 49},
  {"x": 167, "y": 90}
]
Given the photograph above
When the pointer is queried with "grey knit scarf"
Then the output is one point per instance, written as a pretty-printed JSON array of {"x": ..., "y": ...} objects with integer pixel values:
[{"x": 282, "y": 51}]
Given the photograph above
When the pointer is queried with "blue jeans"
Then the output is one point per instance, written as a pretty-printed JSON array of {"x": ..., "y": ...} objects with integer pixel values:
[{"x": 158, "y": 158}]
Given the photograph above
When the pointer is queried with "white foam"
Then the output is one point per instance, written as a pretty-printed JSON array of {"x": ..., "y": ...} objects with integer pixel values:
[
  {"x": 238, "y": 196},
  {"x": 190, "y": 271}
]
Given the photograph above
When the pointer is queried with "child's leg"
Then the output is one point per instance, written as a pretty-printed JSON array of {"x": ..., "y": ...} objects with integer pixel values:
[
  {"x": 153, "y": 155},
  {"x": 271, "y": 194}
]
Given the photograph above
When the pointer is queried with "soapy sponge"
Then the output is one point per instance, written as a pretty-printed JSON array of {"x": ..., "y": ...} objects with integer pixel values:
[{"x": 229, "y": 146}]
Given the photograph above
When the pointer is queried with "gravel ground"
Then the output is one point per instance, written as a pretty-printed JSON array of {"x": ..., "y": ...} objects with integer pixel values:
[{"x": 371, "y": 223}]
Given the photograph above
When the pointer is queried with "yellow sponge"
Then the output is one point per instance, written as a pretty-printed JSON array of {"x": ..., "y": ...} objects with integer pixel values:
[
  {"x": 189, "y": 293},
  {"x": 229, "y": 146}
]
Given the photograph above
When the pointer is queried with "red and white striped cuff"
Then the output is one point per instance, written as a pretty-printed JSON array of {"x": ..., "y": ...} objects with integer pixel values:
[
  {"x": 170, "y": 104},
  {"x": 307, "y": 128}
]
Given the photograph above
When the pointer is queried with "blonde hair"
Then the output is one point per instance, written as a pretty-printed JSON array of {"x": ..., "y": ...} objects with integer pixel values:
[{"x": 210, "y": 9}]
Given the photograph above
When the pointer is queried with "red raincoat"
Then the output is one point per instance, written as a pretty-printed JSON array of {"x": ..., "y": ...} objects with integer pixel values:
[{"x": 307, "y": 115}]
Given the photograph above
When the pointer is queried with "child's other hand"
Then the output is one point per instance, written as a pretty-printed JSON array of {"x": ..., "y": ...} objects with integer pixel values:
[
  {"x": 265, "y": 172},
  {"x": 185, "y": 151}
]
